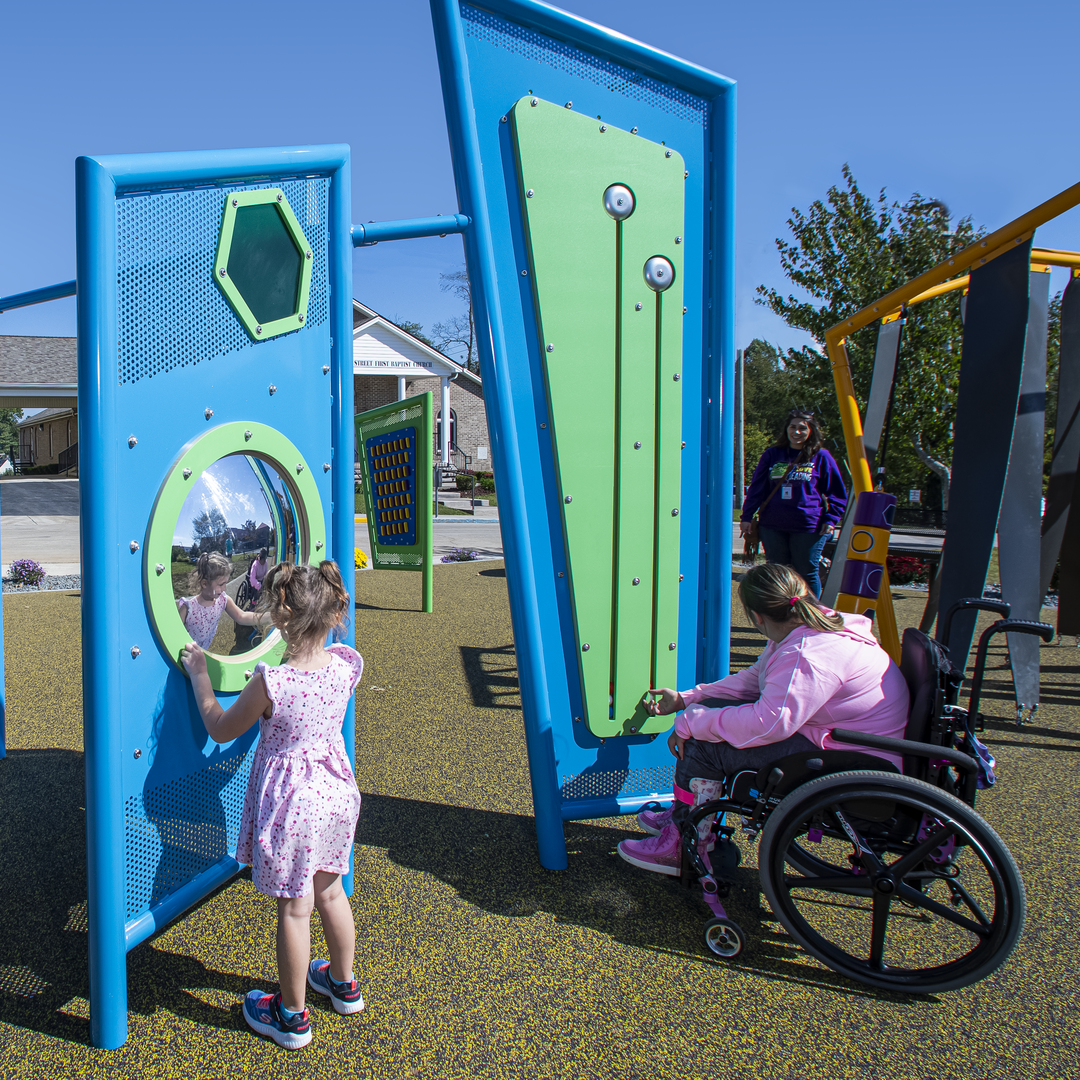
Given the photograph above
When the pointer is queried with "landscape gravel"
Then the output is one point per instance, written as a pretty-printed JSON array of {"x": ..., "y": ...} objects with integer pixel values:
[{"x": 52, "y": 583}]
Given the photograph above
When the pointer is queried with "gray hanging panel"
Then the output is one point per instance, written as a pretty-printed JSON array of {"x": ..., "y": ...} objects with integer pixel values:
[
  {"x": 991, "y": 362},
  {"x": 1066, "y": 458},
  {"x": 1020, "y": 520}
]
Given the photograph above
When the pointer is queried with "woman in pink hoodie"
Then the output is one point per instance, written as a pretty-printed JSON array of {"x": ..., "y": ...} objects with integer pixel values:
[{"x": 820, "y": 670}]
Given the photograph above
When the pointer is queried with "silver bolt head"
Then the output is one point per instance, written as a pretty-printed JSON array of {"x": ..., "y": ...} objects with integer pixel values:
[
  {"x": 222, "y": 271},
  {"x": 280, "y": 196},
  {"x": 658, "y": 273},
  {"x": 637, "y": 446},
  {"x": 674, "y": 513},
  {"x": 208, "y": 413},
  {"x": 633, "y": 731},
  {"x": 569, "y": 499},
  {"x": 524, "y": 273},
  {"x": 678, "y": 239},
  {"x": 638, "y": 306},
  {"x": 326, "y": 466},
  {"x": 667, "y": 153},
  {"x": 160, "y": 569},
  {"x": 299, "y": 468},
  {"x": 187, "y": 474},
  {"x": 326, "y": 369},
  {"x": 132, "y": 441},
  {"x": 300, "y": 318},
  {"x": 258, "y": 329},
  {"x": 585, "y": 647},
  {"x": 676, "y": 377},
  {"x": 534, "y": 102},
  {"x": 273, "y": 389},
  {"x": 247, "y": 436},
  {"x": 529, "y": 194},
  {"x": 138, "y": 754},
  {"x": 502, "y": 119},
  {"x": 562, "y": 574},
  {"x": 550, "y": 348},
  {"x": 568, "y": 105},
  {"x": 543, "y": 427},
  {"x": 636, "y": 581},
  {"x": 619, "y": 201},
  {"x": 248, "y": 674},
  {"x": 671, "y": 646},
  {"x": 318, "y": 545},
  {"x": 684, "y": 311},
  {"x": 236, "y": 202},
  {"x": 135, "y": 651},
  {"x": 307, "y": 254},
  {"x": 603, "y": 128},
  {"x": 633, "y": 131},
  {"x": 134, "y": 545}
]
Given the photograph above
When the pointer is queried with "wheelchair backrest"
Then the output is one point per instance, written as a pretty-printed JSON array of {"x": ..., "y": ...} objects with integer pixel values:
[{"x": 925, "y": 667}]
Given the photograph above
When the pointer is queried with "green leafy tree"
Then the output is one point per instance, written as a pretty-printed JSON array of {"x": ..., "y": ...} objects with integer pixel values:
[
  {"x": 846, "y": 251},
  {"x": 209, "y": 525},
  {"x": 9, "y": 431},
  {"x": 768, "y": 389},
  {"x": 416, "y": 329}
]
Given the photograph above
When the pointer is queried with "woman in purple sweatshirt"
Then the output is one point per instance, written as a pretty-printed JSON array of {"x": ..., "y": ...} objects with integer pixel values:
[
  {"x": 820, "y": 670},
  {"x": 798, "y": 489}
]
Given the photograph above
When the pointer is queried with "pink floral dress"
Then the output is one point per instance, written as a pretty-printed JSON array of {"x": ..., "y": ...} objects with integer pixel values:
[
  {"x": 302, "y": 803},
  {"x": 202, "y": 621}
]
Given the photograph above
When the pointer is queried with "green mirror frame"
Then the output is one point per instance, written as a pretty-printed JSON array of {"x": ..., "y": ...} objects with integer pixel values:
[
  {"x": 228, "y": 674},
  {"x": 233, "y": 202}
]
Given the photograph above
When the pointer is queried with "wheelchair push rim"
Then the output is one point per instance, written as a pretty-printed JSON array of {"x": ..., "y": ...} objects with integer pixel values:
[{"x": 921, "y": 913}]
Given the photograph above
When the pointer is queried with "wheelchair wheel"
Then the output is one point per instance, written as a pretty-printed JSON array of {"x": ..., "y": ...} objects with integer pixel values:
[
  {"x": 724, "y": 938},
  {"x": 897, "y": 884}
]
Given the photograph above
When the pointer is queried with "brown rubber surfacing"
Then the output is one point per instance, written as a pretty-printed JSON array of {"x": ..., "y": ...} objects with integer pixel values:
[{"x": 473, "y": 960}]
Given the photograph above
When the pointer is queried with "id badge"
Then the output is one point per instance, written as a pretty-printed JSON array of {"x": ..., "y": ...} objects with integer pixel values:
[{"x": 785, "y": 491}]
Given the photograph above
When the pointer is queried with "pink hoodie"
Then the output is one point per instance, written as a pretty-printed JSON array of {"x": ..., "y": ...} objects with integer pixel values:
[{"x": 809, "y": 683}]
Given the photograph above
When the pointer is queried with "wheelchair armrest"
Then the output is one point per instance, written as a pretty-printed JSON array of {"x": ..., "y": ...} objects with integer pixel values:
[{"x": 962, "y": 761}]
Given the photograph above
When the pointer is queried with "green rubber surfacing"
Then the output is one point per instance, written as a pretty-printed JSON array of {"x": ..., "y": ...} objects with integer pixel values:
[{"x": 618, "y": 468}]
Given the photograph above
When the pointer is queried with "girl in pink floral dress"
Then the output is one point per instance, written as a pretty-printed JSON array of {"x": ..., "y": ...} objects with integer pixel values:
[
  {"x": 202, "y": 610},
  {"x": 302, "y": 803}
]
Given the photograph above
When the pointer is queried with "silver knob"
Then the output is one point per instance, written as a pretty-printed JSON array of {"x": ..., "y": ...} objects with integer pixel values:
[
  {"x": 659, "y": 273},
  {"x": 619, "y": 202}
]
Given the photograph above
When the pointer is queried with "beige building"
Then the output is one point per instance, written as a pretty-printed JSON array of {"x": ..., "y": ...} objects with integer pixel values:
[{"x": 51, "y": 438}]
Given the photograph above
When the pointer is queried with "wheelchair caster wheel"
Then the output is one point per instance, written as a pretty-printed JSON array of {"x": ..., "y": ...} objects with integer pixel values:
[{"x": 724, "y": 938}]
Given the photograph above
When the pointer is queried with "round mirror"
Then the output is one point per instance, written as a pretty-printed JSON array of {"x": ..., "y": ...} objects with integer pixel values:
[{"x": 241, "y": 514}]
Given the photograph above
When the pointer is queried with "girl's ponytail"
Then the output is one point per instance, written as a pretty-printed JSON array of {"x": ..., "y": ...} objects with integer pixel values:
[
  {"x": 310, "y": 601},
  {"x": 780, "y": 594}
]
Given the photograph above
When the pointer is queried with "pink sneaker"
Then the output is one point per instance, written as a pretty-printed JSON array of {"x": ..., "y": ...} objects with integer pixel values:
[
  {"x": 662, "y": 854},
  {"x": 654, "y": 822}
]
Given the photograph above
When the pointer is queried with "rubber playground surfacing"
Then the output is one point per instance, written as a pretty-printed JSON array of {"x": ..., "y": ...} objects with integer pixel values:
[{"x": 476, "y": 962}]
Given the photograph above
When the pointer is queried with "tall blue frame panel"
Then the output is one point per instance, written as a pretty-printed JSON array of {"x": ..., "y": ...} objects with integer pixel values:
[
  {"x": 158, "y": 346},
  {"x": 491, "y": 54}
]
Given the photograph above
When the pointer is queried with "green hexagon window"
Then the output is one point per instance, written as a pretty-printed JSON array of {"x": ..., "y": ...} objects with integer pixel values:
[{"x": 263, "y": 262}]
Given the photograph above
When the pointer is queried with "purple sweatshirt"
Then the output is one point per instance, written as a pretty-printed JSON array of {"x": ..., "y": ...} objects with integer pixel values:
[
  {"x": 808, "y": 684},
  {"x": 798, "y": 505}
]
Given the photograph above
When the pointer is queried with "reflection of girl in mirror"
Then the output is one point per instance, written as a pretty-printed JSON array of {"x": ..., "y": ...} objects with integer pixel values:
[
  {"x": 202, "y": 611},
  {"x": 258, "y": 571},
  {"x": 300, "y": 811}
]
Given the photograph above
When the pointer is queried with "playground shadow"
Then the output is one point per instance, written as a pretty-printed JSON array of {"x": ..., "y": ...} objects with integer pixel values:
[
  {"x": 492, "y": 676},
  {"x": 490, "y": 860}
]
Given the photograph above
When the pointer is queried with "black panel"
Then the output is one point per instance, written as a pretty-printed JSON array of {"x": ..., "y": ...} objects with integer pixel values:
[{"x": 264, "y": 263}]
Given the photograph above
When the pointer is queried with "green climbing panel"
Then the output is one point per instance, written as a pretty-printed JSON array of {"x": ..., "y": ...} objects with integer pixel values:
[{"x": 603, "y": 211}]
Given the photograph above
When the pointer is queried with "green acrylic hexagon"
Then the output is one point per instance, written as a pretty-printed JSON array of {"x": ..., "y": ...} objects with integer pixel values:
[
  {"x": 228, "y": 674},
  {"x": 263, "y": 262}
]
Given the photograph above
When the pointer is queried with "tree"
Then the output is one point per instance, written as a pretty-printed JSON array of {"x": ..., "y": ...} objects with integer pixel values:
[
  {"x": 768, "y": 389},
  {"x": 416, "y": 329},
  {"x": 208, "y": 525},
  {"x": 9, "y": 431},
  {"x": 456, "y": 336},
  {"x": 849, "y": 250}
]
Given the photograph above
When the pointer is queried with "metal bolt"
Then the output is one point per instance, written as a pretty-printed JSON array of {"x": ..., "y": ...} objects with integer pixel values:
[
  {"x": 633, "y": 131},
  {"x": 659, "y": 273},
  {"x": 280, "y": 196},
  {"x": 247, "y": 436},
  {"x": 671, "y": 646},
  {"x": 187, "y": 474},
  {"x": 502, "y": 119},
  {"x": 258, "y": 329},
  {"x": 577, "y": 719},
  {"x": 299, "y": 468},
  {"x": 138, "y": 754},
  {"x": 637, "y": 446},
  {"x": 678, "y": 239},
  {"x": 529, "y": 194},
  {"x": 524, "y": 273},
  {"x": 561, "y": 574},
  {"x": 619, "y": 201},
  {"x": 585, "y": 647},
  {"x": 638, "y": 306},
  {"x": 132, "y": 442},
  {"x": 134, "y": 545},
  {"x": 326, "y": 466},
  {"x": 674, "y": 513},
  {"x": 550, "y": 348},
  {"x": 208, "y": 413},
  {"x": 248, "y": 674},
  {"x": 684, "y": 311},
  {"x": 683, "y": 447},
  {"x": 636, "y": 581},
  {"x": 667, "y": 153},
  {"x": 569, "y": 499},
  {"x": 300, "y": 318},
  {"x": 326, "y": 369},
  {"x": 676, "y": 377},
  {"x": 568, "y": 105},
  {"x": 236, "y": 202},
  {"x": 534, "y": 102},
  {"x": 222, "y": 271},
  {"x": 685, "y": 174},
  {"x": 603, "y": 127},
  {"x": 633, "y": 731},
  {"x": 273, "y": 389},
  {"x": 543, "y": 427},
  {"x": 160, "y": 568},
  {"x": 318, "y": 545},
  {"x": 680, "y": 577},
  {"x": 135, "y": 651}
]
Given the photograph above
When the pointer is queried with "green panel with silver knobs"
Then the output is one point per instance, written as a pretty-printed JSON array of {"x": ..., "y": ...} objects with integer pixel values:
[{"x": 603, "y": 213}]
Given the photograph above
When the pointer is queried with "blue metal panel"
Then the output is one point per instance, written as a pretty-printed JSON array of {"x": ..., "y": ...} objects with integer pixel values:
[
  {"x": 158, "y": 350},
  {"x": 490, "y": 58}
]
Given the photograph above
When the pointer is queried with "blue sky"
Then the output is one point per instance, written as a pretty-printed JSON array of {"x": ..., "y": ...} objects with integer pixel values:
[{"x": 969, "y": 103}]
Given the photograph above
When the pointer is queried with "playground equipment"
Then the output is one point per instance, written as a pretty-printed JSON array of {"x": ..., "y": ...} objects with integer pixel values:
[
  {"x": 850, "y": 825},
  {"x": 395, "y": 446},
  {"x": 996, "y": 484},
  {"x": 867, "y": 550}
]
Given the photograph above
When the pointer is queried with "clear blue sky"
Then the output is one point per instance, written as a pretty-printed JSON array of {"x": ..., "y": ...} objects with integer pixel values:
[{"x": 969, "y": 103}]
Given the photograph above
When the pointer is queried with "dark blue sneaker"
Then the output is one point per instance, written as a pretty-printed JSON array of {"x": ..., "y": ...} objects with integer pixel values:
[
  {"x": 345, "y": 996},
  {"x": 262, "y": 1011}
]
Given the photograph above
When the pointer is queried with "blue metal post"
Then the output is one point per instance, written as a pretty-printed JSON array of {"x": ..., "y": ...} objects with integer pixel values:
[
  {"x": 37, "y": 296},
  {"x": 96, "y": 269},
  {"x": 372, "y": 232}
]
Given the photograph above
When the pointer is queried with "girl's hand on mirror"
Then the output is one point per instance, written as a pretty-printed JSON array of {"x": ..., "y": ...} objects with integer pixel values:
[
  {"x": 666, "y": 701},
  {"x": 193, "y": 659}
]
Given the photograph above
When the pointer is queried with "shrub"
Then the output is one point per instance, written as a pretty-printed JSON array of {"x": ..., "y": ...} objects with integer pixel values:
[
  {"x": 464, "y": 482},
  {"x": 460, "y": 555},
  {"x": 360, "y": 559},
  {"x": 905, "y": 569},
  {"x": 27, "y": 572},
  {"x": 486, "y": 483}
]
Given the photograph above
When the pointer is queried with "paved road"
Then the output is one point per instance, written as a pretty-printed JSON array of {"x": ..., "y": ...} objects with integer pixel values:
[
  {"x": 486, "y": 540},
  {"x": 39, "y": 498}
]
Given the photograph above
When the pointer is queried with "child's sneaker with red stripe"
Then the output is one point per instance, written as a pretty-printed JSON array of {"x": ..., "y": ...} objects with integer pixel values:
[
  {"x": 345, "y": 996},
  {"x": 263, "y": 1014}
]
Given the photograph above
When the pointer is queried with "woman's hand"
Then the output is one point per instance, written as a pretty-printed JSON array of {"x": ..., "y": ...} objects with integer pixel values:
[
  {"x": 665, "y": 701},
  {"x": 744, "y": 528},
  {"x": 193, "y": 659},
  {"x": 676, "y": 744}
]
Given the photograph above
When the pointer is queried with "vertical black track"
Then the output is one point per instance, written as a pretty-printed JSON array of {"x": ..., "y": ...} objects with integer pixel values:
[
  {"x": 656, "y": 488},
  {"x": 616, "y": 569},
  {"x": 991, "y": 362}
]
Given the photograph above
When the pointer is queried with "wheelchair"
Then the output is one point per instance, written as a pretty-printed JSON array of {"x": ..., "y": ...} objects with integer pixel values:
[
  {"x": 246, "y": 596},
  {"x": 889, "y": 878}
]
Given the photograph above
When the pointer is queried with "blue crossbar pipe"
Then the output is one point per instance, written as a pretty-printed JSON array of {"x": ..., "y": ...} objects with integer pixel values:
[
  {"x": 37, "y": 296},
  {"x": 409, "y": 228}
]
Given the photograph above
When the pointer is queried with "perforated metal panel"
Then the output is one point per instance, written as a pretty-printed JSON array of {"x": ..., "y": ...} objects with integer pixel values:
[
  {"x": 599, "y": 785},
  {"x": 484, "y": 26},
  {"x": 177, "y": 830},
  {"x": 169, "y": 311}
]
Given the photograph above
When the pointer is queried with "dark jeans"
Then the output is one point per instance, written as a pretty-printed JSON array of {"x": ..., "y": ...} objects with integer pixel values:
[{"x": 801, "y": 551}]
